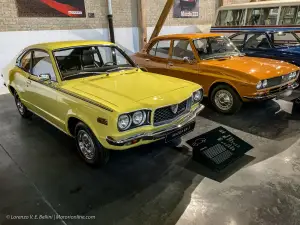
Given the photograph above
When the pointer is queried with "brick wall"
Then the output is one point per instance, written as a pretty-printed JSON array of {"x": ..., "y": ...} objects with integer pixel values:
[{"x": 125, "y": 15}]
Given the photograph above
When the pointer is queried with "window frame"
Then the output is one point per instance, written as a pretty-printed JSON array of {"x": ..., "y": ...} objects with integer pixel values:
[
  {"x": 84, "y": 46},
  {"x": 32, "y": 56},
  {"x": 237, "y": 34},
  {"x": 21, "y": 56},
  {"x": 191, "y": 43},
  {"x": 155, "y": 42},
  {"x": 243, "y": 17},
  {"x": 259, "y": 49}
]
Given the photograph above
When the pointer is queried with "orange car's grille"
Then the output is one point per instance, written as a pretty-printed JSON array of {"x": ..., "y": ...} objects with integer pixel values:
[
  {"x": 278, "y": 89},
  {"x": 165, "y": 114}
]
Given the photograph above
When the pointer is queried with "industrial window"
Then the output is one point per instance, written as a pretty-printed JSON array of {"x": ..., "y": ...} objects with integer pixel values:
[
  {"x": 231, "y": 17},
  {"x": 262, "y": 16},
  {"x": 161, "y": 49},
  {"x": 289, "y": 15},
  {"x": 181, "y": 49},
  {"x": 41, "y": 64}
]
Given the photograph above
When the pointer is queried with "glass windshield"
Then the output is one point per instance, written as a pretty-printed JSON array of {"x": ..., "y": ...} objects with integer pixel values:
[
  {"x": 79, "y": 62},
  {"x": 215, "y": 47},
  {"x": 284, "y": 39}
]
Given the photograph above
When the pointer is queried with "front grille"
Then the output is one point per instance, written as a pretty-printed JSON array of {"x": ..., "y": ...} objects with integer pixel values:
[
  {"x": 165, "y": 114},
  {"x": 278, "y": 80},
  {"x": 274, "y": 81},
  {"x": 278, "y": 89}
]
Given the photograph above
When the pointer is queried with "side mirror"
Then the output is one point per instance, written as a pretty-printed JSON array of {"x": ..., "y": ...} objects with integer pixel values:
[{"x": 44, "y": 77}]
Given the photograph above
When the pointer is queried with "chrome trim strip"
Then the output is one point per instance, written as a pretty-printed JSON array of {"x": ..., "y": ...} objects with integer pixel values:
[
  {"x": 158, "y": 134},
  {"x": 72, "y": 94},
  {"x": 269, "y": 96}
]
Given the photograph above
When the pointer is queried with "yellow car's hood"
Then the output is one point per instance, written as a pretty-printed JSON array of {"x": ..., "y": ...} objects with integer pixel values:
[
  {"x": 132, "y": 89},
  {"x": 259, "y": 68}
]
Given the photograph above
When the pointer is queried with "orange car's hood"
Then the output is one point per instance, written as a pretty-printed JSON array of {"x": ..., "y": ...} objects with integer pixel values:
[{"x": 260, "y": 68}]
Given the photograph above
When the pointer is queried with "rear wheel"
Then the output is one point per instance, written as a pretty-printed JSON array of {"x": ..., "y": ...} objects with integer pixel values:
[
  {"x": 225, "y": 99},
  {"x": 22, "y": 109},
  {"x": 88, "y": 146}
]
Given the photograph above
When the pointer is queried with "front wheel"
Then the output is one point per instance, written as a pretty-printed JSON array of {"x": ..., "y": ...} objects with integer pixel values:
[
  {"x": 22, "y": 109},
  {"x": 225, "y": 99},
  {"x": 89, "y": 148}
]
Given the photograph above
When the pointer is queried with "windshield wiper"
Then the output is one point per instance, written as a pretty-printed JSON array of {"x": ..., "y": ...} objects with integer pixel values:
[
  {"x": 84, "y": 73},
  {"x": 120, "y": 68}
]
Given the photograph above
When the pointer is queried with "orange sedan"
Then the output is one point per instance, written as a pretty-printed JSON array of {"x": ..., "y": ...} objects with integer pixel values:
[{"x": 228, "y": 77}]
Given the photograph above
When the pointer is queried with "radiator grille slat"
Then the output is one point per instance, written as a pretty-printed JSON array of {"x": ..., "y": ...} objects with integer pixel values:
[{"x": 164, "y": 114}]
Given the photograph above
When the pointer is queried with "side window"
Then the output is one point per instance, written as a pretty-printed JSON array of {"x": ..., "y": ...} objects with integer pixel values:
[
  {"x": 25, "y": 62},
  {"x": 181, "y": 49},
  {"x": 257, "y": 41},
  {"x": 153, "y": 49},
  {"x": 161, "y": 50},
  {"x": 238, "y": 40},
  {"x": 262, "y": 16},
  {"x": 231, "y": 17},
  {"x": 42, "y": 64},
  {"x": 289, "y": 15}
]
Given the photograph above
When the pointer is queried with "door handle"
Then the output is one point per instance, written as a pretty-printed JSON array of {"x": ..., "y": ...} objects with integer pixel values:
[
  {"x": 28, "y": 82},
  {"x": 170, "y": 64},
  {"x": 147, "y": 60}
]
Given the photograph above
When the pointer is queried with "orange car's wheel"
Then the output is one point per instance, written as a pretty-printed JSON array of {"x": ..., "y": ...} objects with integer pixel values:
[
  {"x": 225, "y": 99},
  {"x": 22, "y": 109},
  {"x": 88, "y": 146}
]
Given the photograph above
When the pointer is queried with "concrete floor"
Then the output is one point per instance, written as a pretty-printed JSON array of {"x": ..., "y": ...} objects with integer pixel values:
[{"x": 41, "y": 174}]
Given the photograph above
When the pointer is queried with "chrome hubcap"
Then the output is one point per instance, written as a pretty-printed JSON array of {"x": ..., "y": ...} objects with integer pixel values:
[
  {"x": 20, "y": 105},
  {"x": 223, "y": 100},
  {"x": 86, "y": 144}
]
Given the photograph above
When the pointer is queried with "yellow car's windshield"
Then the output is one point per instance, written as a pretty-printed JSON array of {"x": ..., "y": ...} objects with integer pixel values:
[{"x": 77, "y": 62}]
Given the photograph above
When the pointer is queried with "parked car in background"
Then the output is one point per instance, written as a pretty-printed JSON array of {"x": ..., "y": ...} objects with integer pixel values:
[
  {"x": 92, "y": 91},
  {"x": 228, "y": 77},
  {"x": 280, "y": 45}
]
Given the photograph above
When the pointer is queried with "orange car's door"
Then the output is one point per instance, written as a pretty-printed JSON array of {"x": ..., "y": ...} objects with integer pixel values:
[
  {"x": 156, "y": 58},
  {"x": 182, "y": 63}
]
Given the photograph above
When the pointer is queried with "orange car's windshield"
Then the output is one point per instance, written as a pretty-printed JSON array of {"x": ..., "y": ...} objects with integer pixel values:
[
  {"x": 215, "y": 47},
  {"x": 77, "y": 62}
]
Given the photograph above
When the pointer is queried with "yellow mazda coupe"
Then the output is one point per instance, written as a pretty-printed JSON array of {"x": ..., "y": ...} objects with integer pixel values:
[{"x": 93, "y": 91}]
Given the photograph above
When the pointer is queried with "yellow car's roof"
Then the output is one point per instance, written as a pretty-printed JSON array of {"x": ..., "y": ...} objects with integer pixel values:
[{"x": 66, "y": 44}]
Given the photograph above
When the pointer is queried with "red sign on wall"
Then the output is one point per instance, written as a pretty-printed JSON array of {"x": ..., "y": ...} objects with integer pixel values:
[{"x": 51, "y": 8}]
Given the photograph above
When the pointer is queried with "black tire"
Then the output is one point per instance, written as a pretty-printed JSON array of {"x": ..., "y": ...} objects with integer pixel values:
[
  {"x": 236, "y": 102},
  {"x": 175, "y": 143},
  {"x": 22, "y": 109},
  {"x": 100, "y": 155}
]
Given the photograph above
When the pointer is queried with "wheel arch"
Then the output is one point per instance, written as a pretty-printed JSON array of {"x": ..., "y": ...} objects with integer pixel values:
[
  {"x": 11, "y": 89},
  {"x": 214, "y": 85}
]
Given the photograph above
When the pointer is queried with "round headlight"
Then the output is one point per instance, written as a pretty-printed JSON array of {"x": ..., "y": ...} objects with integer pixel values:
[
  {"x": 292, "y": 75},
  {"x": 138, "y": 117},
  {"x": 197, "y": 95},
  {"x": 259, "y": 85},
  {"x": 124, "y": 122},
  {"x": 265, "y": 83}
]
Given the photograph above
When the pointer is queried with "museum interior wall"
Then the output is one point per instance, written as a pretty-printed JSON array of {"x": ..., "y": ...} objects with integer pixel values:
[{"x": 20, "y": 27}]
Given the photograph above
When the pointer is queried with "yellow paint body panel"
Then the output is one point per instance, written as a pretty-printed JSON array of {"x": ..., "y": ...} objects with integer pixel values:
[{"x": 100, "y": 96}]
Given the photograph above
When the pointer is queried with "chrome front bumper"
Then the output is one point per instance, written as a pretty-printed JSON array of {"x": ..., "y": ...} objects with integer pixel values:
[
  {"x": 280, "y": 94},
  {"x": 185, "y": 119}
]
